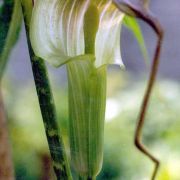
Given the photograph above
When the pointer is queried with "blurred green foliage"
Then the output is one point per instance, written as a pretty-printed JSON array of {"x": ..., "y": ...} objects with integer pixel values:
[
  {"x": 121, "y": 159},
  {"x": 132, "y": 24}
]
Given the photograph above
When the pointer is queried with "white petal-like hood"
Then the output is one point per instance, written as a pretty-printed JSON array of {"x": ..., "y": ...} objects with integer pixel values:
[
  {"x": 57, "y": 34},
  {"x": 108, "y": 35}
]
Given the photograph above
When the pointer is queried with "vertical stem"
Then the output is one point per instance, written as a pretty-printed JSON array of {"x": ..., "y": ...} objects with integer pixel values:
[
  {"x": 6, "y": 165},
  {"x": 8, "y": 36},
  {"x": 10, "y": 24},
  {"x": 46, "y": 102},
  {"x": 141, "y": 11},
  {"x": 48, "y": 112},
  {"x": 141, "y": 118}
]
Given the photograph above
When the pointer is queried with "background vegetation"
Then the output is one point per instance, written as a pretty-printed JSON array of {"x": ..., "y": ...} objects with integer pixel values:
[{"x": 121, "y": 159}]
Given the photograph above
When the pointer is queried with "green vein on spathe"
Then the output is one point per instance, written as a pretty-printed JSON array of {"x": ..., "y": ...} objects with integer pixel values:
[{"x": 87, "y": 100}]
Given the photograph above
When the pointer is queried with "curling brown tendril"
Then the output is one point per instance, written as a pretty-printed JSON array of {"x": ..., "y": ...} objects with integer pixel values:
[{"x": 140, "y": 10}]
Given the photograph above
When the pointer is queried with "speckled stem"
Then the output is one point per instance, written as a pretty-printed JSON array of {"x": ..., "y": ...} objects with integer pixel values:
[
  {"x": 46, "y": 102},
  {"x": 48, "y": 112}
]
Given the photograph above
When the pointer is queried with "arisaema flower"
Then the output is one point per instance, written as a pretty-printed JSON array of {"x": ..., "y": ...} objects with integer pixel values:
[
  {"x": 85, "y": 36},
  {"x": 60, "y": 34}
]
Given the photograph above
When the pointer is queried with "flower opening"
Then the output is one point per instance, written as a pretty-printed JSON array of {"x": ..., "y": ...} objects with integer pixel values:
[{"x": 57, "y": 31}]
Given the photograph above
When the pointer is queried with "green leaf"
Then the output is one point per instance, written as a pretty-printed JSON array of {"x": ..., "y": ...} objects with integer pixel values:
[
  {"x": 6, "y": 11},
  {"x": 132, "y": 24},
  {"x": 10, "y": 24}
]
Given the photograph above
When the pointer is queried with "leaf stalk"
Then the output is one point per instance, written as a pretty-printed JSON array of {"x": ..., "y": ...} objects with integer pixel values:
[{"x": 47, "y": 106}]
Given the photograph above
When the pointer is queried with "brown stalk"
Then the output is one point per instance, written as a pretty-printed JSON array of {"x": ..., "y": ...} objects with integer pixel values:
[
  {"x": 6, "y": 166},
  {"x": 140, "y": 10},
  {"x": 141, "y": 119}
]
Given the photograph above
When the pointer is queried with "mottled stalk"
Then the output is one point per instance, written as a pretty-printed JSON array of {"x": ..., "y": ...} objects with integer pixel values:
[{"x": 46, "y": 102}]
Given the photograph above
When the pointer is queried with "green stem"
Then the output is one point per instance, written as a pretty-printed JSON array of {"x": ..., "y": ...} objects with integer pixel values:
[
  {"x": 48, "y": 112},
  {"x": 56, "y": 145},
  {"x": 8, "y": 36},
  {"x": 10, "y": 22}
]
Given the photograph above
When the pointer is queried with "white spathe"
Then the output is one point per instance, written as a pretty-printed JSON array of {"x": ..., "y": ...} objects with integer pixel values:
[{"x": 57, "y": 34}]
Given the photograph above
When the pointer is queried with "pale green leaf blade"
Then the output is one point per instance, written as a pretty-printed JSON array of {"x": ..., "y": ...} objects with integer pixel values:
[{"x": 132, "y": 24}]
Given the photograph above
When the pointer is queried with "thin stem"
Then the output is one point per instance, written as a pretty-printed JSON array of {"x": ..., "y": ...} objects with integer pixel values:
[
  {"x": 141, "y": 11},
  {"x": 46, "y": 102},
  {"x": 48, "y": 112},
  {"x": 154, "y": 23},
  {"x": 10, "y": 26},
  {"x": 141, "y": 119}
]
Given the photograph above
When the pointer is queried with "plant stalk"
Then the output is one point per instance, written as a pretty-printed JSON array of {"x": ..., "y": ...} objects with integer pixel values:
[
  {"x": 47, "y": 106},
  {"x": 11, "y": 19},
  {"x": 9, "y": 30},
  {"x": 6, "y": 165},
  {"x": 142, "y": 11}
]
